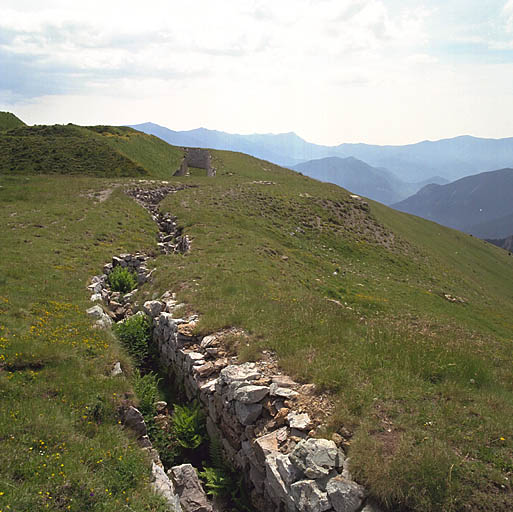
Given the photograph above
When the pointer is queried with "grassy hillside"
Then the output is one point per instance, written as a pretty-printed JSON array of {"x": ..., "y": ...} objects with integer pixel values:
[
  {"x": 62, "y": 447},
  {"x": 405, "y": 323},
  {"x": 95, "y": 150},
  {"x": 146, "y": 150},
  {"x": 9, "y": 121}
]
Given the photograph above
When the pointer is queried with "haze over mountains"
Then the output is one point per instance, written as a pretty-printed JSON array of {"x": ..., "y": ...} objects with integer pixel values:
[
  {"x": 480, "y": 205},
  {"x": 448, "y": 158},
  {"x": 355, "y": 175}
]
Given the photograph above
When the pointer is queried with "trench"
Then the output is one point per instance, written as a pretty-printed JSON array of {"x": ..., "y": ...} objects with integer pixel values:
[{"x": 256, "y": 418}]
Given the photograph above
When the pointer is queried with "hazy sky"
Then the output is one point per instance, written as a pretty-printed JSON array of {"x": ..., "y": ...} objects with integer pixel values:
[{"x": 377, "y": 71}]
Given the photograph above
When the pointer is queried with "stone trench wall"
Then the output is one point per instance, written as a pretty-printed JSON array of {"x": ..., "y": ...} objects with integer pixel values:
[{"x": 251, "y": 410}]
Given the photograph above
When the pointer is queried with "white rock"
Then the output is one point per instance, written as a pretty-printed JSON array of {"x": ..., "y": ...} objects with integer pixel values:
[
  {"x": 275, "y": 484},
  {"x": 316, "y": 458},
  {"x": 116, "y": 370},
  {"x": 345, "y": 495},
  {"x": 153, "y": 308},
  {"x": 276, "y": 390},
  {"x": 233, "y": 373},
  {"x": 288, "y": 472},
  {"x": 308, "y": 497},
  {"x": 96, "y": 312},
  {"x": 250, "y": 394},
  {"x": 208, "y": 341},
  {"x": 163, "y": 486},
  {"x": 301, "y": 421}
]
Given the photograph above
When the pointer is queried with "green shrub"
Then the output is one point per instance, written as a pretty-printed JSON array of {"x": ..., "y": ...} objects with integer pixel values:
[
  {"x": 135, "y": 334},
  {"x": 122, "y": 280},
  {"x": 147, "y": 391},
  {"x": 188, "y": 426}
]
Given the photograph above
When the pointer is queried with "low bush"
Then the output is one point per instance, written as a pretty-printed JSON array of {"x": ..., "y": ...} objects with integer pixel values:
[
  {"x": 135, "y": 334},
  {"x": 122, "y": 280}
]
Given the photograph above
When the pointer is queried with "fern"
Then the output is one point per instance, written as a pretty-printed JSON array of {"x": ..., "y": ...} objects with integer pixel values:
[
  {"x": 215, "y": 450},
  {"x": 188, "y": 426},
  {"x": 147, "y": 390},
  {"x": 217, "y": 482}
]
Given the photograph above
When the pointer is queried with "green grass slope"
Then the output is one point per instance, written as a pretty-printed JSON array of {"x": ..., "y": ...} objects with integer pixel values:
[
  {"x": 406, "y": 323},
  {"x": 61, "y": 444},
  {"x": 62, "y": 150},
  {"x": 152, "y": 153},
  {"x": 9, "y": 121}
]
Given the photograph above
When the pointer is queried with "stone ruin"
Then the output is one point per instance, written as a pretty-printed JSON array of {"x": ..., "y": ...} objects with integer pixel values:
[{"x": 196, "y": 157}]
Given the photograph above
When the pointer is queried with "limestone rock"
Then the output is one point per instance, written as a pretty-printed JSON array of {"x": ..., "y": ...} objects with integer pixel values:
[
  {"x": 134, "y": 420},
  {"x": 189, "y": 489},
  {"x": 299, "y": 421},
  {"x": 250, "y": 394},
  {"x": 104, "y": 322},
  {"x": 144, "y": 442},
  {"x": 281, "y": 416},
  {"x": 116, "y": 370},
  {"x": 345, "y": 495},
  {"x": 247, "y": 414},
  {"x": 162, "y": 485},
  {"x": 275, "y": 484},
  {"x": 161, "y": 406},
  {"x": 288, "y": 472},
  {"x": 308, "y": 497},
  {"x": 153, "y": 308},
  {"x": 282, "y": 392},
  {"x": 205, "y": 370},
  {"x": 208, "y": 341},
  {"x": 96, "y": 312},
  {"x": 267, "y": 444},
  {"x": 315, "y": 457},
  {"x": 242, "y": 372}
]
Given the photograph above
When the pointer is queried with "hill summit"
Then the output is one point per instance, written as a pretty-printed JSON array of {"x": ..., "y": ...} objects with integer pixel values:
[{"x": 8, "y": 121}]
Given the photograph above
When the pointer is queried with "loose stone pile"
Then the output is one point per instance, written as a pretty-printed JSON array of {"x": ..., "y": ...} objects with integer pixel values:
[
  {"x": 119, "y": 304},
  {"x": 170, "y": 238}
]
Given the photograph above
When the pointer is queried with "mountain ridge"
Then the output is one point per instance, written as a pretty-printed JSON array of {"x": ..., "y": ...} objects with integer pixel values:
[
  {"x": 450, "y": 158},
  {"x": 357, "y": 176},
  {"x": 474, "y": 204}
]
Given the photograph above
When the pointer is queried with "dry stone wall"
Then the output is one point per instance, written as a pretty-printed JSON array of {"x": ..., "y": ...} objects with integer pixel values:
[
  {"x": 196, "y": 157},
  {"x": 252, "y": 412},
  {"x": 251, "y": 408}
]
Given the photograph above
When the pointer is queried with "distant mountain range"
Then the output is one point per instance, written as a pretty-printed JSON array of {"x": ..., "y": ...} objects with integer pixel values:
[
  {"x": 504, "y": 243},
  {"x": 375, "y": 183},
  {"x": 481, "y": 205},
  {"x": 448, "y": 158}
]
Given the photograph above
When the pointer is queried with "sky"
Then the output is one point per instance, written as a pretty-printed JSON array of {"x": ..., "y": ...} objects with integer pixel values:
[{"x": 333, "y": 71}]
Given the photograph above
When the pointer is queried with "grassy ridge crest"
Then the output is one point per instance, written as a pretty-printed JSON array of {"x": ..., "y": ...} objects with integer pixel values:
[{"x": 8, "y": 121}]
